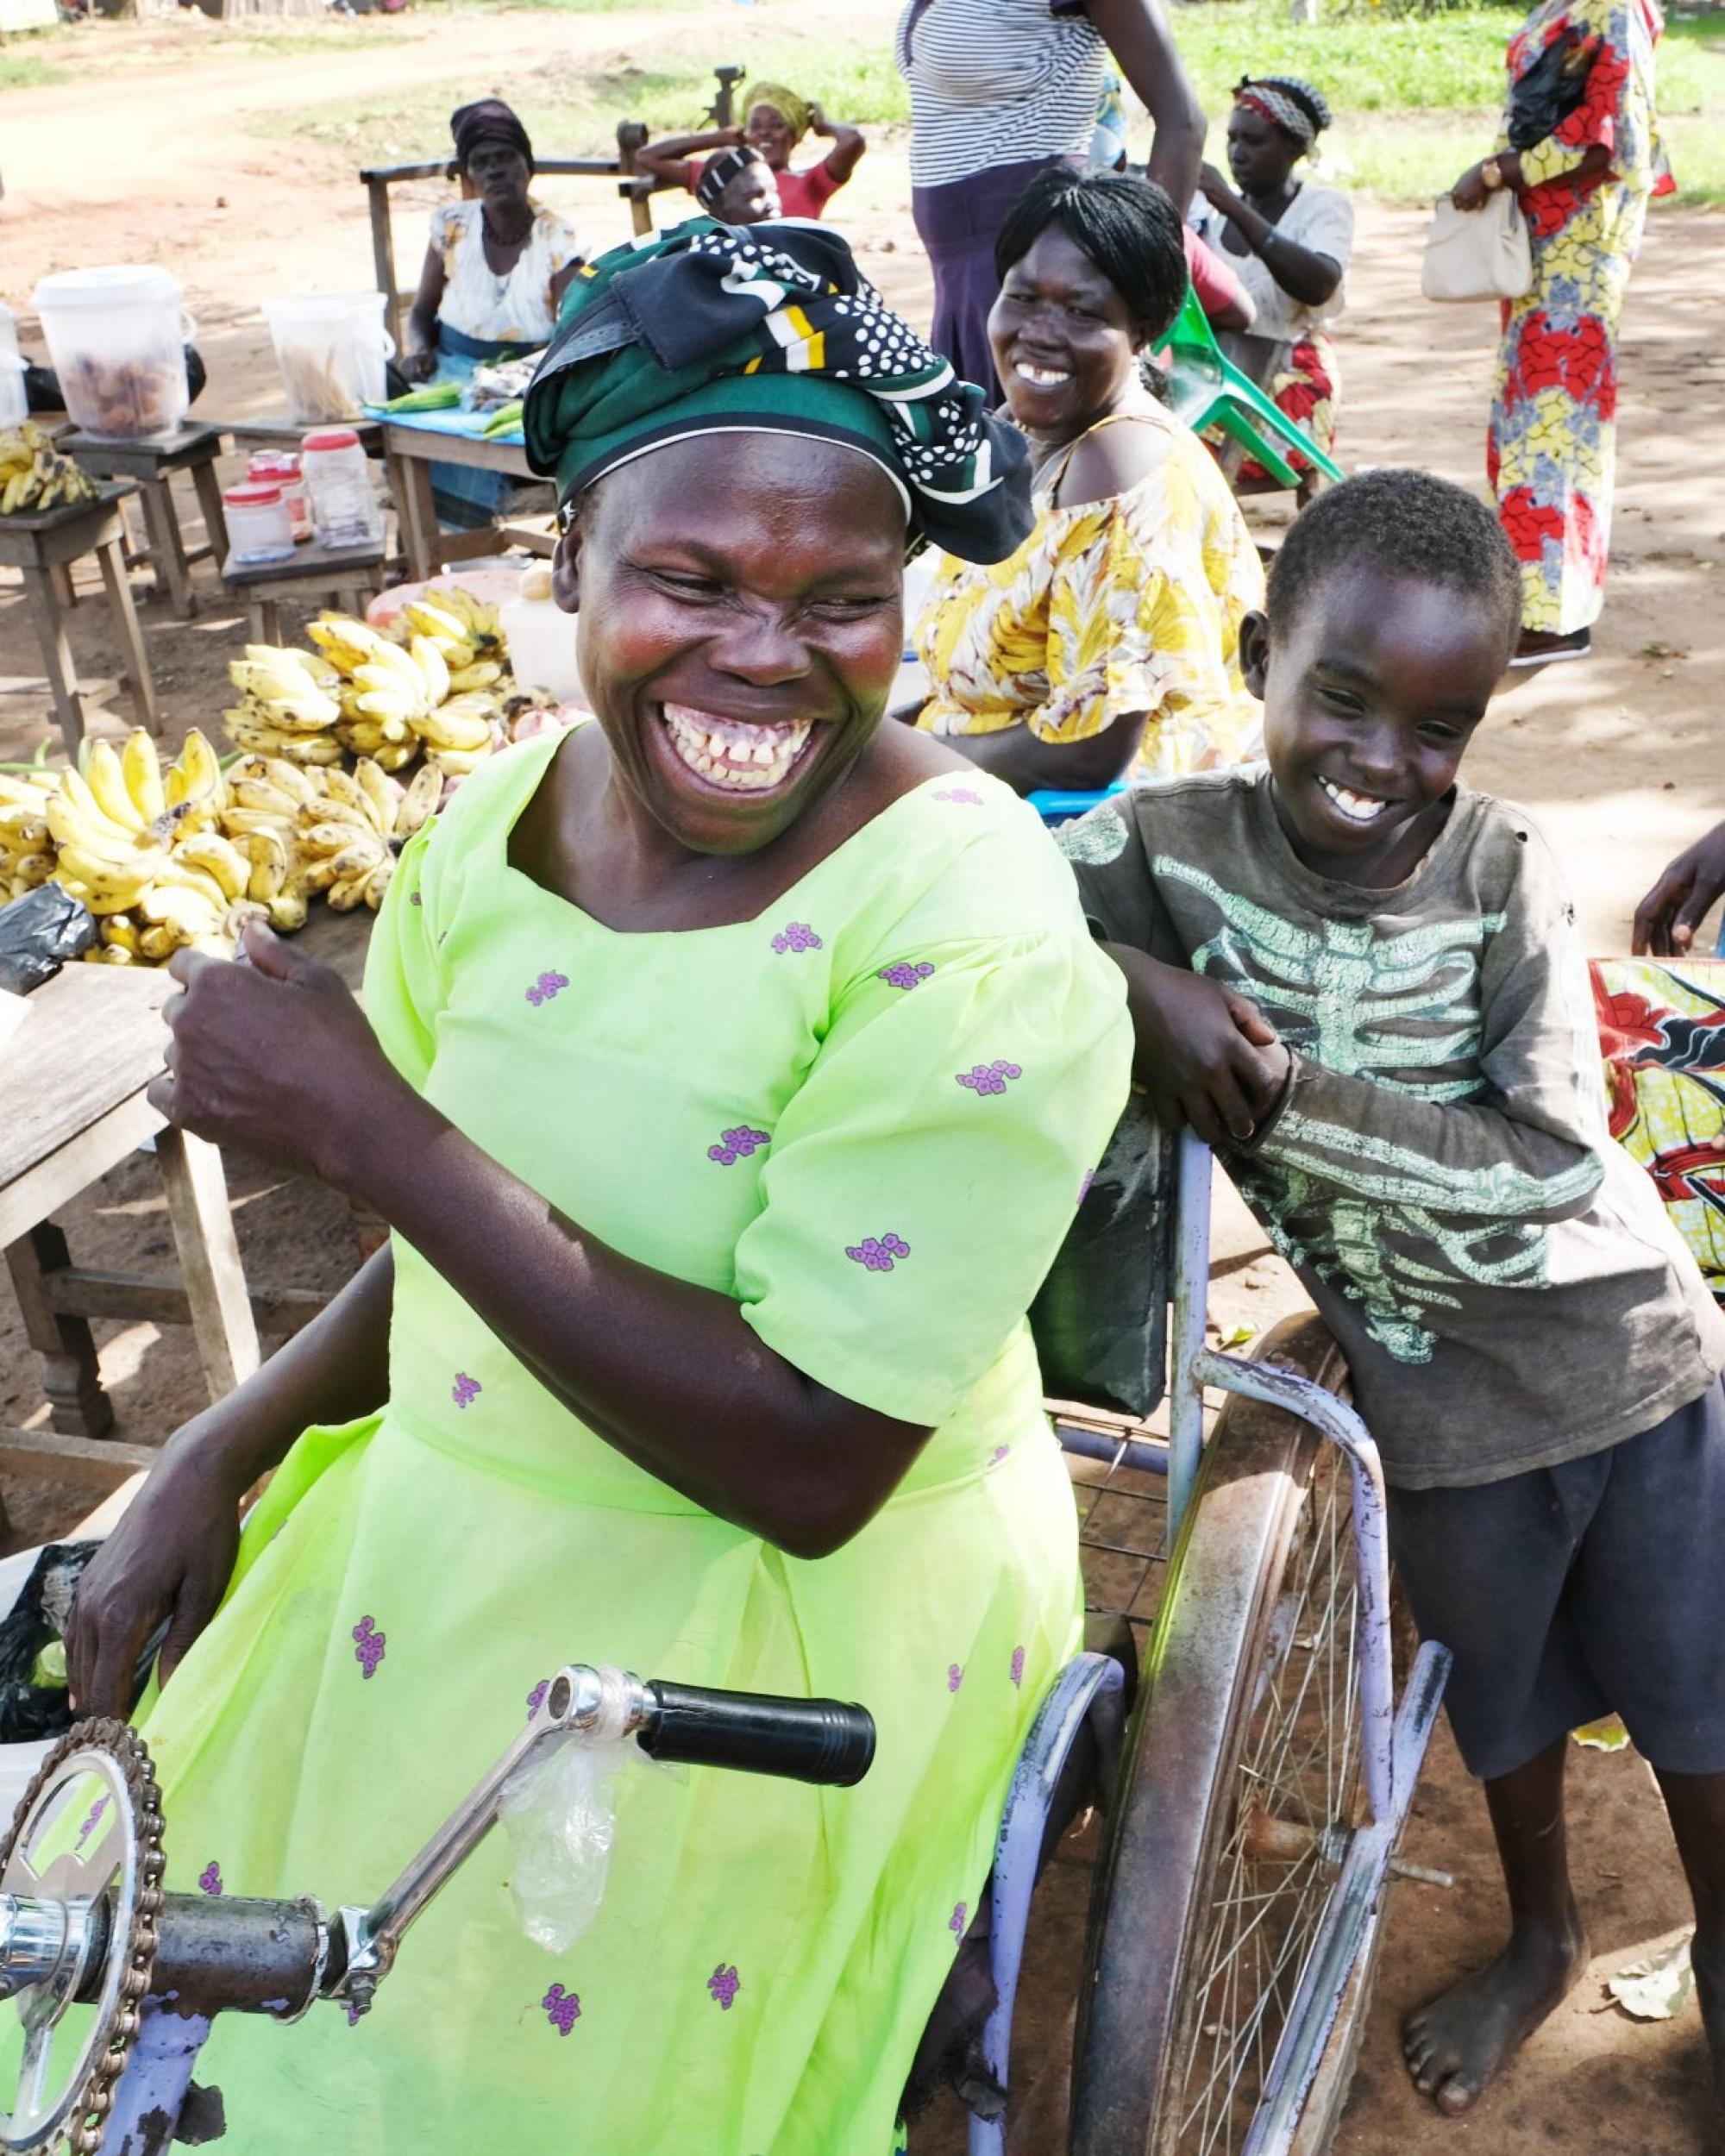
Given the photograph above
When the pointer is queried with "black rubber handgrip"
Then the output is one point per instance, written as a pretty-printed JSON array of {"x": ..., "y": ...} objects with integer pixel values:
[{"x": 804, "y": 1739}]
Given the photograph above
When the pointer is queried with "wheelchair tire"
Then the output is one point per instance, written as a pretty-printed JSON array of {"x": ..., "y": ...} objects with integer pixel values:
[{"x": 1241, "y": 1779}]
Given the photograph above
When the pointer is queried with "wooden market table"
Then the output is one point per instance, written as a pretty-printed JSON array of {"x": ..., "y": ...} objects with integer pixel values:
[
  {"x": 43, "y": 544},
  {"x": 73, "y": 1106},
  {"x": 411, "y": 451},
  {"x": 152, "y": 462}
]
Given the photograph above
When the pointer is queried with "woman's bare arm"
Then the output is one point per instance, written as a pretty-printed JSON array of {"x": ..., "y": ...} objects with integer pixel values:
[{"x": 276, "y": 1057}]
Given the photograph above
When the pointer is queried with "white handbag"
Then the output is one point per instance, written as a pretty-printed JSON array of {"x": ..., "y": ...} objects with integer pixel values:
[{"x": 1478, "y": 254}]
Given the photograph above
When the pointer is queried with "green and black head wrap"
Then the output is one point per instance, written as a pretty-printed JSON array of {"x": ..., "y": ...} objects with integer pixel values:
[{"x": 771, "y": 329}]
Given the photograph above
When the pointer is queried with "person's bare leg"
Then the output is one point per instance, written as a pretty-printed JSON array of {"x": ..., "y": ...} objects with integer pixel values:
[
  {"x": 1696, "y": 1805},
  {"x": 1455, "y": 2043}
]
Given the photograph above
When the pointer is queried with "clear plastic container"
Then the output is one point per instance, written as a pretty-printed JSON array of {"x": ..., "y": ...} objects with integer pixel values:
[
  {"x": 541, "y": 641},
  {"x": 332, "y": 350},
  {"x": 258, "y": 526},
  {"x": 117, "y": 340},
  {"x": 338, "y": 480},
  {"x": 14, "y": 407},
  {"x": 277, "y": 468}
]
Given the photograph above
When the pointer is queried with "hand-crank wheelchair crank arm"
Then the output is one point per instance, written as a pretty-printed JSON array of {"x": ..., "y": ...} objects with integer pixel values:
[
  {"x": 806, "y": 1740},
  {"x": 229, "y": 1954}
]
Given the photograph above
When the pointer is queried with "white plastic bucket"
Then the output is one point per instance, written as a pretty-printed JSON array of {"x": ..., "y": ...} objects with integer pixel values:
[
  {"x": 13, "y": 405},
  {"x": 332, "y": 350},
  {"x": 117, "y": 340}
]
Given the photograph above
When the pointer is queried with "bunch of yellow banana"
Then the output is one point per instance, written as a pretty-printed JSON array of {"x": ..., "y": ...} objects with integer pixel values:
[
  {"x": 139, "y": 846},
  {"x": 26, "y": 857},
  {"x": 35, "y": 476},
  {"x": 347, "y": 841},
  {"x": 478, "y": 616},
  {"x": 474, "y": 659},
  {"x": 396, "y": 699},
  {"x": 289, "y": 705},
  {"x": 268, "y": 799}
]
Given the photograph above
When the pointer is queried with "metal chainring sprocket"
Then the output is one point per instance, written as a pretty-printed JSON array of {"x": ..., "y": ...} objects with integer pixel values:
[{"x": 133, "y": 1956}]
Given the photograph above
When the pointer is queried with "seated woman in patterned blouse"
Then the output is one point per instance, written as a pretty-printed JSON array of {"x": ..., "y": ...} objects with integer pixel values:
[
  {"x": 1109, "y": 641},
  {"x": 497, "y": 265}
]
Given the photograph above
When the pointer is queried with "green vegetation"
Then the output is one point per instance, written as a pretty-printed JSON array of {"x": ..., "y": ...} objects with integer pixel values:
[
  {"x": 1417, "y": 97},
  {"x": 578, "y": 104},
  {"x": 23, "y": 63}
]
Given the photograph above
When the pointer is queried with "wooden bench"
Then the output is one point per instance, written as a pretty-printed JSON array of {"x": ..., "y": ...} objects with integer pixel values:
[
  {"x": 152, "y": 463},
  {"x": 44, "y": 544},
  {"x": 344, "y": 575}
]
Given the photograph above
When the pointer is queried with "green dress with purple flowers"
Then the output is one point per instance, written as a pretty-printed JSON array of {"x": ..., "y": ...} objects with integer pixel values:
[{"x": 866, "y": 1116}]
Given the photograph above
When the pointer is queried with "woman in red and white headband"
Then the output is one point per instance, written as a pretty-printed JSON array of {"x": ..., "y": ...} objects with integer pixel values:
[{"x": 1290, "y": 240}]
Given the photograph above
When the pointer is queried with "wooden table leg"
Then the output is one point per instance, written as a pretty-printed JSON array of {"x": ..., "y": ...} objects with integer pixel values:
[
  {"x": 409, "y": 482},
  {"x": 125, "y": 615},
  {"x": 209, "y": 501},
  {"x": 77, "y": 1403},
  {"x": 64, "y": 589},
  {"x": 209, "y": 1259},
  {"x": 167, "y": 549},
  {"x": 57, "y": 661}
]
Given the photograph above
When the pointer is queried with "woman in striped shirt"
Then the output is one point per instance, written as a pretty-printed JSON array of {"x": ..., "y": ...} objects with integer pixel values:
[{"x": 999, "y": 90}]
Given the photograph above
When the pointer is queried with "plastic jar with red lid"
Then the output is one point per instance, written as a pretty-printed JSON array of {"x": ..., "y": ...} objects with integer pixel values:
[
  {"x": 279, "y": 467},
  {"x": 258, "y": 527},
  {"x": 344, "y": 508}
]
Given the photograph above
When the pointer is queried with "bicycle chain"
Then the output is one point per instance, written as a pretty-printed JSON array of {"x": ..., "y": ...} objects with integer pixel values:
[{"x": 83, "y": 2135}]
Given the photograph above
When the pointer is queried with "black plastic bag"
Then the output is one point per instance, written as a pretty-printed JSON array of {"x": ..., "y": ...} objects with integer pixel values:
[
  {"x": 39, "y": 933},
  {"x": 1546, "y": 93},
  {"x": 1099, "y": 1319}
]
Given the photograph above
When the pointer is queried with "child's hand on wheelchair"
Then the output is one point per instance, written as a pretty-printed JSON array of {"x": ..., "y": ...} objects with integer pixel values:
[{"x": 1205, "y": 1055}]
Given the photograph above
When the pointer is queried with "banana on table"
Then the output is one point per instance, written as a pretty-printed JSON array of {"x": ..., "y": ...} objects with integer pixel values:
[{"x": 34, "y": 476}]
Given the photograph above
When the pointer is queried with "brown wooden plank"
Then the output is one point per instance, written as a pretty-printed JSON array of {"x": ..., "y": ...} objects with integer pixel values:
[
  {"x": 93, "y": 1034},
  {"x": 57, "y": 1179},
  {"x": 94, "y": 1291},
  {"x": 97, "y": 1460},
  {"x": 203, "y": 1225}
]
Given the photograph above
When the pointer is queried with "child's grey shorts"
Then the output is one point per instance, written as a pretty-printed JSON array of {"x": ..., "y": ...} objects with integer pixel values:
[{"x": 1575, "y": 1591}]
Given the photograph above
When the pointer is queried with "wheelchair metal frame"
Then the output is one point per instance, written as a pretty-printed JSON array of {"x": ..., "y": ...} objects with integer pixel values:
[{"x": 1393, "y": 1742}]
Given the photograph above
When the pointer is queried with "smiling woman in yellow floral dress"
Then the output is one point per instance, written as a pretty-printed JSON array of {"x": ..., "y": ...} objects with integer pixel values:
[
  {"x": 1584, "y": 181},
  {"x": 1109, "y": 641}
]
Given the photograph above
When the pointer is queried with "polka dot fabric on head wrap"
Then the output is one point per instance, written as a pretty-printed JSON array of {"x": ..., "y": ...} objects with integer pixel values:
[
  {"x": 771, "y": 330},
  {"x": 1289, "y": 104}
]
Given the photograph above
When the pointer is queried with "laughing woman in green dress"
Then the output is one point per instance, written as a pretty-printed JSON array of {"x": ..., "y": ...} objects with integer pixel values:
[{"x": 728, "y": 1072}]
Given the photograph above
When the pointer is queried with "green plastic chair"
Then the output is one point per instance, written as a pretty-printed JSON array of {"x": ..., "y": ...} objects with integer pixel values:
[{"x": 1207, "y": 390}]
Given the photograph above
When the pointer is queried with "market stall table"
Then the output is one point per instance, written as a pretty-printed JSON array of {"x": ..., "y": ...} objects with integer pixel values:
[
  {"x": 341, "y": 575},
  {"x": 73, "y": 1106},
  {"x": 412, "y": 446},
  {"x": 153, "y": 462},
  {"x": 43, "y": 544}
]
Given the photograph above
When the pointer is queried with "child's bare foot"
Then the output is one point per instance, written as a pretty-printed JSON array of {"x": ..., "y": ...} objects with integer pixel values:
[{"x": 1455, "y": 2043}]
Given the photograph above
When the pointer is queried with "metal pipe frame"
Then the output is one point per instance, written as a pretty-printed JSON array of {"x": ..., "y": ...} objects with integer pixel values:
[
  {"x": 1086, "y": 1678},
  {"x": 1347, "y": 1928},
  {"x": 1197, "y": 1366}
]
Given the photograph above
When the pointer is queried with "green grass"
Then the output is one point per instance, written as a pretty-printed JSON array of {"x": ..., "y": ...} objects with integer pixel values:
[
  {"x": 577, "y": 104},
  {"x": 22, "y": 68},
  {"x": 1417, "y": 98}
]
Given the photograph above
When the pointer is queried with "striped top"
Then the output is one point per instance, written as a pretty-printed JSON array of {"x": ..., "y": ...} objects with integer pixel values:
[{"x": 994, "y": 82}]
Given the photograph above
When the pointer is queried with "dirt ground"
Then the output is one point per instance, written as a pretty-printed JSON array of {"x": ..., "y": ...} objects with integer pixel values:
[{"x": 1619, "y": 759}]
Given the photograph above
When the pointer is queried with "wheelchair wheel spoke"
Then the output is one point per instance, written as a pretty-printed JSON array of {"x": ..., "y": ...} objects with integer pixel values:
[{"x": 1295, "y": 1802}]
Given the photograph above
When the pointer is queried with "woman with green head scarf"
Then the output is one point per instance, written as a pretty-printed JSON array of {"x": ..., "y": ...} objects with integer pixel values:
[
  {"x": 728, "y": 1071},
  {"x": 774, "y": 121}
]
